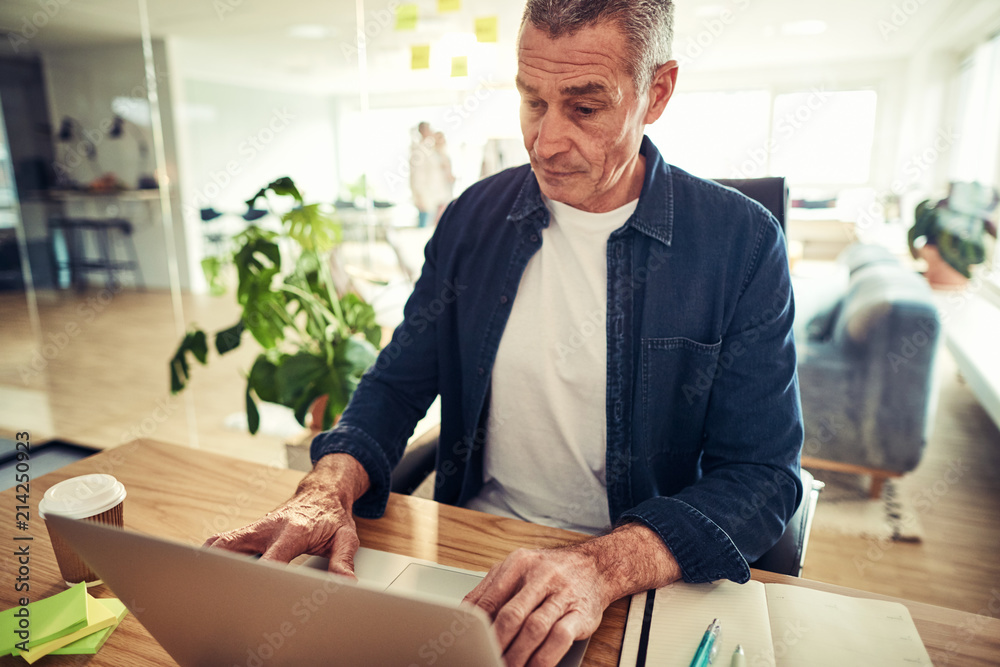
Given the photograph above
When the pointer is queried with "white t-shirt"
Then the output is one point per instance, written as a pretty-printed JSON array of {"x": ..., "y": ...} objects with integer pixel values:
[{"x": 546, "y": 439}]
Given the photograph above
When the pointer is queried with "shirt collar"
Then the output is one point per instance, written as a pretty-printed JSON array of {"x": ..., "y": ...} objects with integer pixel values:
[{"x": 654, "y": 216}]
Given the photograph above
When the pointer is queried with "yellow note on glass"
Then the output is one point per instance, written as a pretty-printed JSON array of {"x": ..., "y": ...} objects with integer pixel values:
[
  {"x": 486, "y": 29},
  {"x": 449, "y": 5},
  {"x": 406, "y": 17},
  {"x": 460, "y": 66},
  {"x": 420, "y": 56}
]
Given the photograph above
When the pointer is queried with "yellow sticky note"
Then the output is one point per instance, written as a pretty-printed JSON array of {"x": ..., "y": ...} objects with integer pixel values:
[
  {"x": 460, "y": 66},
  {"x": 98, "y": 618},
  {"x": 91, "y": 644},
  {"x": 449, "y": 5},
  {"x": 406, "y": 17},
  {"x": 420, "y": 56},
  {"x": 486, "y": 29}
]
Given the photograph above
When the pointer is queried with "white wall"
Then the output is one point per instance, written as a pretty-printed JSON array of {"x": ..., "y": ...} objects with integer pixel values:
[{"x": 234, "y": 140}]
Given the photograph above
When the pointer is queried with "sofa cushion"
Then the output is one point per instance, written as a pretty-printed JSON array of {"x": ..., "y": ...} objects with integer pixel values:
[
  {"x": 874, "y": 290},
  {"x": 860, "y": 255}
]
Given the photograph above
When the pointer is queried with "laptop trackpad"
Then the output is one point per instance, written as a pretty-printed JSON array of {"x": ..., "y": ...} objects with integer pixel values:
[
  {"x": 448, "y": 586},
  {"x": 434, "y": 583}
]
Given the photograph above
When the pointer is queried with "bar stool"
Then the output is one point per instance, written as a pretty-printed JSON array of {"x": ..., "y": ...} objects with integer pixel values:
[{"x": 75, "y": 231}]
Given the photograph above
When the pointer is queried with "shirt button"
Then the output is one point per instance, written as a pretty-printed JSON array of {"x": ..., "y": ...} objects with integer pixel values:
[
  {"x": 482, "y": 371},
  {"x": 503, "y": 299},
  {"x": 534, "y": 238}
]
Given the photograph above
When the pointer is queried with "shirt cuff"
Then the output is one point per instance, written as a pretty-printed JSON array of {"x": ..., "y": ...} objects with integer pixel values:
[
  {"x": 703, "y": 550},
  {"x": 352, "y": 440}
]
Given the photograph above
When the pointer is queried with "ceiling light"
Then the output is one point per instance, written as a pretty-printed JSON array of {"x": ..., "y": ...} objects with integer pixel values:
[
  {"x": 803, "y": 28},
  {"x": 309, "y": 31}
]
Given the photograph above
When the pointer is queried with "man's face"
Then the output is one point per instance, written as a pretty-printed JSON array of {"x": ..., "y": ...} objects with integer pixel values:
[{"x": 581, "y": 117}]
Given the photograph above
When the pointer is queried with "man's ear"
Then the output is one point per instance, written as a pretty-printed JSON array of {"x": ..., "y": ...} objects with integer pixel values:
[{"x": 661, "y": 89}]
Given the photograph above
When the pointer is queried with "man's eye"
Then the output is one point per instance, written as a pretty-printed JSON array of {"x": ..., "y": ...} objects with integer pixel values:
[{"x": 586, "y": 111}]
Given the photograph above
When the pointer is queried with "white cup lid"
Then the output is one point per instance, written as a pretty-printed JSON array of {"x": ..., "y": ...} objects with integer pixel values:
[{"x": 82, "y": 497}]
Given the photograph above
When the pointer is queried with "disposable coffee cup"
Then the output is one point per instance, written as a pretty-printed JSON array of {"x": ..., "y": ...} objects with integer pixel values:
[{"x": 98, "y": 498}]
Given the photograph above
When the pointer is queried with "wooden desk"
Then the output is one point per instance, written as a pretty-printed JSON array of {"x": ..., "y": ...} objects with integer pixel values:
[{"x": 187, "y": 495}]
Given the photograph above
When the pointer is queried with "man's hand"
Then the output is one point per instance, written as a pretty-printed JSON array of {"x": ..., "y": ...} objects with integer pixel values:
[
  {"x": 542, "y": 601},
  {"x": 317, "y": 520}
]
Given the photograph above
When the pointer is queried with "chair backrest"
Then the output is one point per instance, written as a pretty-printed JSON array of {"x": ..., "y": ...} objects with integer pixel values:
[
  {"x": 771, "y": 192},
  {"x": 789, "y": 554}
]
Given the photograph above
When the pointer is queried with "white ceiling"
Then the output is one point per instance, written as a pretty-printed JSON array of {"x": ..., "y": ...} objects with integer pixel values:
[{"x": 243, "y": 41}]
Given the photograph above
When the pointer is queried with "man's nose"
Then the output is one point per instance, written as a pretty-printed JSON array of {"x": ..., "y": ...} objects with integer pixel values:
[{"x": 553, "y": 136}]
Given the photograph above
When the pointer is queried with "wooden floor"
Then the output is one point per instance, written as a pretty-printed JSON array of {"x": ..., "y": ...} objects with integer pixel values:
[
  {"x": 957, "y": 499},
  {"x": 102, "y": 380}
]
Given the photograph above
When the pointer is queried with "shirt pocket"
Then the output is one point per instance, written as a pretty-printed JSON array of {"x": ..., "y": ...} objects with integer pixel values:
[{"x": 677, "y": 375}]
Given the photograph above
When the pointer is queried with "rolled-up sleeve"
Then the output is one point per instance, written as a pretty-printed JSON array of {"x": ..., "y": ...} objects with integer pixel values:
[{"x": 393, "y": 395}]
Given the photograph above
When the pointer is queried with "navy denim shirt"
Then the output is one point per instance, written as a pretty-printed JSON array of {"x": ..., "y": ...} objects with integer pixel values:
[{"x": 704, "y": 425}]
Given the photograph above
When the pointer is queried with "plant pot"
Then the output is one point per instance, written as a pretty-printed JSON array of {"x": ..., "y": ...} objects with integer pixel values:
[
  {"x": 314, "y": 421},
  {"x": 940, "y": 274},
  {"x": 297, "y": 450}
]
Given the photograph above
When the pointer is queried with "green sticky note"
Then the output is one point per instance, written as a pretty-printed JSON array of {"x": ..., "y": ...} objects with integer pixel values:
[
  {"x": 460, "y": 66},
  {"x": 92, "y": 643},
  {"x": 420, "y": 56},
  {"x": 449, "y": 5},
  {"x": 486, "y": 29},
  {"x": 406, "y": 17},
  {"x": 48, "y": 619},
  {"x": 99, "y": 617}
]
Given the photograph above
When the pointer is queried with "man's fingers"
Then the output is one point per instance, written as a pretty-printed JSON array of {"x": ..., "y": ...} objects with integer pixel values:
[
  {"x": 476, "y": 594},
  {"x": 252, "y": 539},
  {"x": 500, "y": 585},
  {"x": 566, "y": 630},
  {"x": 534, "y": 631},
  {"x": 517, "y": 611},
  {"x": 283, "y": 549},
  {"x": 345, "y": 546}
]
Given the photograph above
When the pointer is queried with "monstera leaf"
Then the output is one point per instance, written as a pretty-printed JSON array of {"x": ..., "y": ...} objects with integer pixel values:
[{"x": 315, "y": 342}]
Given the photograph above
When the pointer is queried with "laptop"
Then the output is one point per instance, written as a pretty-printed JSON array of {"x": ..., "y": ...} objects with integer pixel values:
[{"x": 209, "y": 607}]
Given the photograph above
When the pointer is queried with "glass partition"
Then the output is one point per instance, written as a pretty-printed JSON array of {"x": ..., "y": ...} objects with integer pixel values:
[
  {"x": 333, "y": 96},
  {"x": 86, "y": 294}
]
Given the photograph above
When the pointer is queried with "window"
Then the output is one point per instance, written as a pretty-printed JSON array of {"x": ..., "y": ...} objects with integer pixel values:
[
  {"x": 750, "y": 134},
  {"x": 823, "y": 137},
  {"x": 976, "y": 156},
  {"x": 716, "y": 134},
  {"x": 976, "y": 152}
]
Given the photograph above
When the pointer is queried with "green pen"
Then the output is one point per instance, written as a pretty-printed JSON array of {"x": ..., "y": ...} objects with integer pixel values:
[{"x": 706, "y": 650}]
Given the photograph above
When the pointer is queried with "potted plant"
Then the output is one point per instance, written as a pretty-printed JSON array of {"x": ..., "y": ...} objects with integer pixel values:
[
  {"x": 316, "y": 342},
  {"x": 951, "y": 235}
]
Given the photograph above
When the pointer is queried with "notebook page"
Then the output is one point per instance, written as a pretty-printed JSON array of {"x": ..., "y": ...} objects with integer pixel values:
[
  {"x": 821, "y": 629},
  {"x": 682, "y": 612},
  {"x": 633, "y": 630}
]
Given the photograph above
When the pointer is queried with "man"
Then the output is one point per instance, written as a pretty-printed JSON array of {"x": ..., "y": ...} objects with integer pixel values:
[
  {"x": 430, "y": 174},
  {"x": 640, "y": 386}
]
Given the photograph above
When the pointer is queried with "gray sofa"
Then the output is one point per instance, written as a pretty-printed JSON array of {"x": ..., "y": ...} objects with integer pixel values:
[{"x": 866, "y": 362}]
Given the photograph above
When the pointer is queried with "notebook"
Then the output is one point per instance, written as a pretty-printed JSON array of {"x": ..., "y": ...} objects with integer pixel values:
[{"x": 778, "y": 625}]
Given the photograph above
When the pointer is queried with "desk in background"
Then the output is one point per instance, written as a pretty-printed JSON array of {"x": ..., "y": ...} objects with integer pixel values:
[{"x": 187, "y": 495}]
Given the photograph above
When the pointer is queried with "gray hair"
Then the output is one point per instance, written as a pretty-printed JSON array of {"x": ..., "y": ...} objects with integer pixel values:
[{"x": 648, "y": 26}]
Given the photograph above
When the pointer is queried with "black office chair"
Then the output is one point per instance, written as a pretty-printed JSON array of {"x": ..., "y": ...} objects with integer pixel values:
[
  {"x": 772, "y": 192},
  {"x": 786, "y": 557}
]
